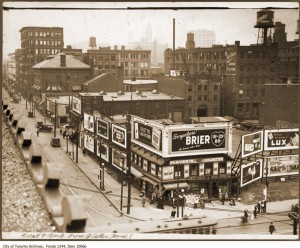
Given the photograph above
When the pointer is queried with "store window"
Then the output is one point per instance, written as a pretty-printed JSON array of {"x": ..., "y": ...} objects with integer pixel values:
[
  {"x": 194, "y": 170},
  {"x": 179, "y": 171},
  {"x": 168, "y": 172},
  {"x": 208, "y": 169},
  {"x": 145, "y": 165},
  {"x": 139, "y": 161},
  {"x": 153, "y": 169},
  {"x": 222, "y": 168},
  {"x": 159, "y": 172}
]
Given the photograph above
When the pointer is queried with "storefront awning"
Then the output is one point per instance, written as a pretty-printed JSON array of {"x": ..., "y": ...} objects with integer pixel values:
[
  {"x": 149, "y": 181},
  {"x": 174, "y": 185},
  {"x": 54, "y": 88},
  {"x": 135, "y": 172},
  {"x": 58, "y": 88},
  {"x": 38, "y": 87},
  {"x": 147, "y": 155}
]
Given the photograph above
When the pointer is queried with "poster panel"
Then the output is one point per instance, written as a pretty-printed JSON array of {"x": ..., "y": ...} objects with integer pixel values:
[
  {"x": 88, "y": 122},
  {"x": 251, "y": 172},
  {"x": 202, "y": 140},
  {"x": 104, "y": 149},
  {"x": 148, "y": 135},
  {"x": 102, "y": 128},
  {"x": 76, "y": 105},
  {"x": 282, "y": 165},
  {"x": 252, "y": 143},
  {"x": 119, "y": 160},
  {"x": 89, "y": 143},
  {"x": 281, "y": 139},
  {"x": 119, "y": 135}
]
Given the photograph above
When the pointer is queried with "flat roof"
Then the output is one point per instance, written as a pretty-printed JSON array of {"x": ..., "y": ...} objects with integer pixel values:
[
  {"x": 209, "y": 119},
  {"x": 60, "y": 99},
  {"x": 127, "y": 96},
  {"x": 140, "y": 81}
]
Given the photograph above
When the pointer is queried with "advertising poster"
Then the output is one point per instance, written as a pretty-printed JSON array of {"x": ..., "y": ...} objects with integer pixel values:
[
  {"x": 148, "y": 135},
  {"x": 76, "y": 105},
  {"x": 89, "y": 143},
  {"x": 282, "y": 165},
  {"x": 88, "y": 122},
  {"x": 119, "y": 135},
  {"x": 252, "y": 143},
  {"x": 251, "y": 172},
  {"x": 104, "y": 150},
  {"x": 102, "y": 128},
  {"x": 119, "y": 160},
  {"x": 231, "y": 61},
  {"x": 282, "y": 139},
  {"x": 198, "y": 139}
]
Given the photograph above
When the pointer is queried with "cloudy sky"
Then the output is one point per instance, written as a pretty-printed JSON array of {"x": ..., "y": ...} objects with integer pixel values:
[{"x": 124, "y": 22}]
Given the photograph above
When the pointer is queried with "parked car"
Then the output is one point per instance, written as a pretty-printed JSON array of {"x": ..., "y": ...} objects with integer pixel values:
[
  {"x": 39, "y": 123},
  {"x": 45, "y": 128}
]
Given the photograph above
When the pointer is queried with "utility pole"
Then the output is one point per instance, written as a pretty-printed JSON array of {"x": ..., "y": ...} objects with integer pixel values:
[
  {"x": 55, "y": 116},
  {"x": 177, "y": 198},
  {"x": 77, "y": 139},
  {"x": 173, "y": 43},
  {"x": 128, "y": 162}
]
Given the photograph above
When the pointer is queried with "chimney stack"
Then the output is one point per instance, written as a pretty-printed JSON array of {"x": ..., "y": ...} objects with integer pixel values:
[{"x": 63, "y": 60}]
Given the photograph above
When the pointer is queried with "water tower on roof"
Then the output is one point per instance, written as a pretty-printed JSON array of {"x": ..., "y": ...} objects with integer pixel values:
[
  {"x": 93, "y": 43},
  {"x": 265, "y": 25}
]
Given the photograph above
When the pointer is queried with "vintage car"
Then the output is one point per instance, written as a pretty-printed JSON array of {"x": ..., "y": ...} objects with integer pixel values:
[{"x": 45, "y": 128}]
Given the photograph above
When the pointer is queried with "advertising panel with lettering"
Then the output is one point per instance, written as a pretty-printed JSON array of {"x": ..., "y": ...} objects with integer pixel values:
[
  {"x": 102, "y": 128},
  {"x": 119, "y": 160},
  {"x": 148, "y": 135},
  {"x": 201, "y": 140},
  {"x": 76, "y": 105},
  {"x": 251, "y": 172},
  {"x": 89, "y": 143},
  {"x": 282, "y": 165},
  {"x": 252, "y": 143},
  {"x": 119, "y": 135},
  {"x": 88, "y": 122},
  {"x": 103, "y": 149},
  {"x": 281, "y": 139}
]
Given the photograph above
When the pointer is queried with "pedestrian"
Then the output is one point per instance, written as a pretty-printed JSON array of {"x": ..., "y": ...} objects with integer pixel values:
[
  {"x": 255, "y": 211},
  {"x": 262, "y": 206},
  {"x": 258, "y": 207},
  {"x": 60, "y": 131},
  {"x": 144, "y": 200},
  {"x": 173, "y": 213},
  {"x": 245, "y": 215},
  {"x": 37, "y": 133},
  {"x": 223, "y": 199},
  {"x": 272, "y": 228}
]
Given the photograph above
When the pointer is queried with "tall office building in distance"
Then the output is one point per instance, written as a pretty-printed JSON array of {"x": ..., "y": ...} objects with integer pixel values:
[{"x": 204, "y": 38}]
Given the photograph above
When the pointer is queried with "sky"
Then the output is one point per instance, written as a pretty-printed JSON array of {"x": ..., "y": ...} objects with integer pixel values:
[{"x": 113, "y": 23}]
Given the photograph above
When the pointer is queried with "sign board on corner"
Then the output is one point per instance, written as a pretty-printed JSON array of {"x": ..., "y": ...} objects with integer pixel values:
[
  {"x": 281, "y": 139},
  {"x": 119, "y": 136},
  {"x": 76, "y": 105},
  {"x": 251, "y": 172},
  {"x": 252, "y": 143},
  {"x": 103, "y": 128}
]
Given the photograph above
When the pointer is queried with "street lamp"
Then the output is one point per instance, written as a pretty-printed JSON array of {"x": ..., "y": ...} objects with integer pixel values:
[{"x": 183, "y": 201}]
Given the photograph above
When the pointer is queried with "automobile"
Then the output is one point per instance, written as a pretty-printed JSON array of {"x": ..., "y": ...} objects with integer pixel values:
[
  {"x": 295, "y": 207},
  {"x": 45, "y": 128},
  {"x": 39, "y": 123}
]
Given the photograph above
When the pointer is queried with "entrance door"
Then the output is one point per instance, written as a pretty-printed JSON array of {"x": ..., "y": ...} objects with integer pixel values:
[
  {"x": 202, "y": 111},
  {"x": 215, "y": 190}
]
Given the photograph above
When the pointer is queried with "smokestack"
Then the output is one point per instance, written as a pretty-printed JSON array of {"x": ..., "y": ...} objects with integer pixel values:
[
  {"x": 62, "y": 60},
  {"x": 173, "y": 44}
]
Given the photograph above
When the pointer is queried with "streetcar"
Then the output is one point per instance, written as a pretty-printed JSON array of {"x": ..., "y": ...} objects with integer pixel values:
[{"x": 186, "y": 225}]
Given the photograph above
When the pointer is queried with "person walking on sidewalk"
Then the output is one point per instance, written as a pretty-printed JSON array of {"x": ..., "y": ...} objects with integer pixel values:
[
  {"x": 255, "y": 212},
  {"x": 272, "y": 228},
  {"x": 173, "y": 213},
  {"x": 144, "y": 200},
  {"x": 37, "y": 133}
]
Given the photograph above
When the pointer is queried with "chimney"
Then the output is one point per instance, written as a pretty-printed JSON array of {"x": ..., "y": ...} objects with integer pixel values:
[
  {"x": 120, "y": 76},
  {"x": 122, "y": 47},
  {"x": 190, "y": 43},
  {"x": 116, "y": 47},
  {"x": 62, "y": 60}
]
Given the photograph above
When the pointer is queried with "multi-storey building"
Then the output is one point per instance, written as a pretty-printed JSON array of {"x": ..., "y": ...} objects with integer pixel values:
[
  {"x": 36, "y": 44},
  {"x": 135, "y": 63},
  {"x": 76, "y": 52},
  {"x": 204, "y": 38}
]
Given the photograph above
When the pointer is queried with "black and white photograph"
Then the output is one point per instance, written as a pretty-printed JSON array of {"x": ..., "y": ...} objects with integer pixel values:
[{"x": 149, "y": 121}]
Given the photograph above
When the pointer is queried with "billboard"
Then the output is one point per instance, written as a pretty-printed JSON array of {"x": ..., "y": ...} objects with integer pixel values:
[
  {"x": 252, "y": 143},
  {"x": 104, "y": 149},
  {"x": 149, "y": 135},
  {"x": 88, "y": 122},
  {"x": 231, "y": 60},
  {"x": 89, "y": 143},
  {"x": 251, "y": 172},
  {"x": 102, "y": 128},
  {"x": 282, "y": 165},
  {"x": 202, "y": 140},
  {"x": 119, "y": 135},
  {"x": 76, "y": 105},
  {"x": 119, "y": 160},
  {"x": 281, "y": 139}
]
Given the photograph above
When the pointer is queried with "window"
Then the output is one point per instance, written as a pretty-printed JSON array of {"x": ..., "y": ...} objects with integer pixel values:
[
  {"x": 194, "y": 170},
  {"x": 205, "y": 87},
  {"x": 199, "y": 98},
  {"x": 153, "y": 169},
  {"x": 242, "y": 55},
  {"x": 199, "y": 87},
  {"x": 145, "y": 165},
  {"x": 190, "y": 87},
  {"x": 205, "y": 98},
  {"x": 168, "y": 172},
  {"x": 189, "y": 98},
  {"x": 215, "y": 87},
  {"x": 222, "y": 168},
  {"x": 208, "y": 169},
  {"x": 215, "y": 97}
]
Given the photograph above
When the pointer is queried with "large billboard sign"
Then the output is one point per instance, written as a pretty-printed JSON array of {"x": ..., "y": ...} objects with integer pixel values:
[
  {"x": 89, "y": 143},
  {"x": 103, "y": 149},
  {"x": 119, "y": 160},
  {"x": 148, "y": 135},
  {"x": 202, "y": 140},
  {"x": 281, "y": 139},
  {"x": 119, "y": 135},
  {"x": 282, "y": 165},
  {"x": 88, "y": 122},
  {"x": 76, "y": 105},
  {"x": 252, "y": 143},
  {"x": 103, "y": 128},
  {"x": 251, "y": 172}
]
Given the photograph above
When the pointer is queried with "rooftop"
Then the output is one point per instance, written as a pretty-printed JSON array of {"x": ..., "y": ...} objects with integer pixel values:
[{"x": 140, "y": 81}]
